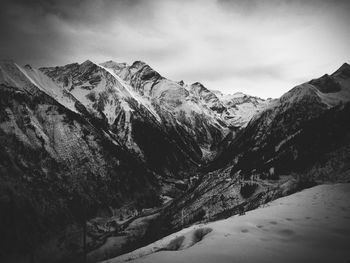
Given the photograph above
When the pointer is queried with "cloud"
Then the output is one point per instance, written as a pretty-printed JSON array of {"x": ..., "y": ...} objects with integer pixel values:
[{"x": 259, "y": 47}]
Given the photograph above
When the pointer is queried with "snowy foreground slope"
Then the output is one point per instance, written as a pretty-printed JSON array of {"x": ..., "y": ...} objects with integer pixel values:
[{"x": 309, "y": 226}]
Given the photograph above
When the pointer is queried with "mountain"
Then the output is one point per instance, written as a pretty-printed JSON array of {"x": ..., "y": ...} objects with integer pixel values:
[
  {"x": 57, "y": 166},
  {"x": 269, "y": 132},
  {"x": 129, "y": 155},
  {"x": 194, "y": 116},
  {"x": 199, "y": 111},
  {"x": 298, "y": 141},
  {"x": 132, "y": 119},
  {"x": 88, "y": 138},
  {"x": 240, "y": 107},
  {"x": 179, "y": 110}
]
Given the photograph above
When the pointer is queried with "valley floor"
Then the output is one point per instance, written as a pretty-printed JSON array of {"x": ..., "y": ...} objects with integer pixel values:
[{"x": 309, "y": 226}]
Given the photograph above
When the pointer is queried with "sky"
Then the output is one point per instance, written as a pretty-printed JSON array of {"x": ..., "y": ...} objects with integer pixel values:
[{"x": 259, "y": 47}]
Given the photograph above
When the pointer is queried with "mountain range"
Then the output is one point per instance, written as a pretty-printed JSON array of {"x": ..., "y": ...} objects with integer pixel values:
[{"x": 113, "y": 143}]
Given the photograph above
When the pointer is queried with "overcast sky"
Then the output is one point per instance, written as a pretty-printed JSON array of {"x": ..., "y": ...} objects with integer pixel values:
[{"x": 262, "y": 48}]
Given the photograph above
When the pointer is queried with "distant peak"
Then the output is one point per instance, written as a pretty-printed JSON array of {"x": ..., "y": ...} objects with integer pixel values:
[
  {"x": 343, "y": 71},
  {"x": 201, "y": 90},
  {"x": 198, "y": 84},
  {"x": 87, "y": 65},
  {"x": 86, "y": 62},
  {"x": 27, "y": 66},
  {"x": 344, "y": 67},
  {"x": 113, "y": 64},
  {"x": 138, "y": 64},
  {"x": 239, "y": 94}
]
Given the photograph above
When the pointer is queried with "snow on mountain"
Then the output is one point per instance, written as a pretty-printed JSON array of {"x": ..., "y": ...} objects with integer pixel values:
[
  {"x": 310, "y": 99},
  {"x": 49, "y": 87},
  {"x": 276, "y": 137},
  {"x": 134, "y": 95},
  {"x": 103, "y": 93},
  {"x": 207, "y": 97},
  {"x": 14, "y": 75},
  {"x": 179, "y": 106},
  {"x": 305, "y": 102},
  {"x": 241, "y": 108},
  {"x": 157, "y": 86},
  {"x": 11, "y": 75},
  {"x": 208, "y": 116},
  {"x": 232, "y": 110},
  {"x": 98, "y": 88},
  {"x": 329, "y": 90}
]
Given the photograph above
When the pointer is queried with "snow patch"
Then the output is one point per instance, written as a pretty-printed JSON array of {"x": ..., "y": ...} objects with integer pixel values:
[{"x": 45, "y": 84}]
